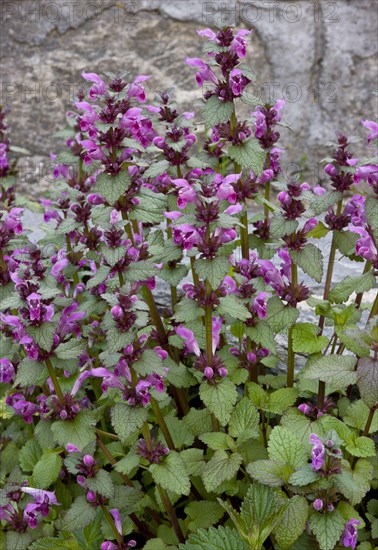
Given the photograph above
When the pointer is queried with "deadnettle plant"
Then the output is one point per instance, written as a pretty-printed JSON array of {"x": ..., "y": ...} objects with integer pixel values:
[{"x": 180, "y": 366}]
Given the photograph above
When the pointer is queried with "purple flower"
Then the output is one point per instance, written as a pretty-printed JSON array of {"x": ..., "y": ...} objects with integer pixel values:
[
  {"x": 99, "y": 87},
  {"x": 317, "y": 453},
  {"x": 368, "y": 173},
  {"x": 239, "y": 44},
  {"x": 318, "y": 504},
  {"x": 205, "y": 74},
  {"x": 191, "y": 344},
  {"x": 260, "y": 304},
  {"x": 365, "y": 245},
  {"x": 7, "y": 372},
  {"x": 373, "y": 127},
  {"x": 216, "y": 330},
  {"x": 238, "y": 82},
  {"x": 350, "y": 535},
  {"x": 186, "y": 193}
]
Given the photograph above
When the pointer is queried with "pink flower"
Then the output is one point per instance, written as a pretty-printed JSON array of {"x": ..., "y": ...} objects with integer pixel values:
[
  {"x": 260, "y": 304},
  {"x": 317, "y": 453},
  {"x": 239, "y": 44},
  {"x": 238, "y": 82},
  {"x": 365, "y": 245},
  {"x": 216, "y": 330},
  {"x": 205, "y": 74},
  {"x": 99, "y": 87},
  {"x": 350, "y": 535},
  {"x": 191, "y": 344},
  {"x": 373, "y": 127}
]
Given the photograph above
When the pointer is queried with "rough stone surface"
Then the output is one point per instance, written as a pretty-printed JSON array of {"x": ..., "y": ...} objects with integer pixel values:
[{"x": 320, "y": 56}]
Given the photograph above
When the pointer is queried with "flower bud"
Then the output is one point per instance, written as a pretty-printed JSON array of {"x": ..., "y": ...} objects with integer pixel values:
[
  {"x": 81, "y": 480},
  {"x": 88, "y": 460},
  {"x": 222, "y": 372},
  {"x": 330, "y": 507},
  {"x": 318, "y": 504},
  {"x": 117, "y": 312},
  {"x": 63, "y": 414},
  {"x": 208, "y": 372},
  {"x": 330, "y": 443},
  {"x": 91, "y": 496}
]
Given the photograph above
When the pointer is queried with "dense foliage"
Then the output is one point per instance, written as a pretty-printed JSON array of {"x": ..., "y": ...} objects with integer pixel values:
[{"x": 134, "y": 421}]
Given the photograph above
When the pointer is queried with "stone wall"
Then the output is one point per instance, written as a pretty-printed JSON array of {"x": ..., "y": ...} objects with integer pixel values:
[{"x": 320, "y": 56}]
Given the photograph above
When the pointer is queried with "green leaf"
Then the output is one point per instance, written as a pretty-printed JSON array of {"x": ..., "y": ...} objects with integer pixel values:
[
  {"x": 222, "y": 538},
  {"x": 79, "y": 515},
  {"x": 126, "y": 465},
  {"x": 198, "y": 421},
  {"x": 216, "y": 111},
  {"x": 30, "y": 373},
  {"x": 194, "y": 461},
  {"x": 203, "y": 514},
  {"x": 354, "y": 484},
  {"x": 306, "y": 339},
  {"x": 217, "y": 441},
  {"x": 321, "y": 203},
  {"x": 126, "y": 419},
  {"x": 280, "y": 316},
  {"x": 357, "y": 416},
  {"x": 304, "y": 476},
  {"x": 310, "y": 260},
  {"x": 156, "y": 169},
  {"x": 111, "y": 187},
  {"x": 327, "y": 528},
  {"x": 180, "y": 432},
  {"x": 152, "y": 205},
  {"x": 47, "y": 469},
  {"x": 171, "y": 474},
  {"x": 354, "y": 339},
  {"x": 269, "y": 472},
  {"x": 292, "y": 523},
  {"x": 53, "y": 543},
  {"x": 72, "y": 349},
  {"x": 280, "y": 400},
  {"x": 362, "y": 447},
  {"x": 371, "y": 215},
  {"x": 244, "y": 419},
  {"x": 213, "y": 270},
  {"x": 346, "y": 242},
  {"x": 29, "y": 455},
  {"x": 334, "y": 369},
  {"x": 101, "y": 483},
  {"x": 341, "y": 292},
  {"x": 187, "y": 310},
  {"x": 78, "y": 431},
  {"x": 148, "y": 363},
  {"x": 249, "y": 155},
  {"x": 280, "y": 226},
  {"x": 219, "y": 399},
  {"x": 286, "y": 448},
  {"x": 43, "y": 335},
  {"x": 221, "y": 467},
  {"x": 319, "y": 231},
  {"x": 117, "y": 340},
  {"x": 367, "y": 380},
  {"x": 231, "y": 305},
  {"x": 99, "y": 277},
  {"x": 140, "y": 271}
]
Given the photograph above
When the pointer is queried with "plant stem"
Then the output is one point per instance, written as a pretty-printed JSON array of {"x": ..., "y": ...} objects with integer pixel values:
[
  {"x": 154, "y": 313},
  {"x": 361, "y": 294},
  {"x": 331, "y": 263},
  {"x": 171, "y": 513},
  {"x": 194, "y": 273},
  {"x": 107, "y": 434},
  {"x": 162, "y": 424},
  {"x": 374, "y": 309},
  {"x": 369, "y": 422},
  {"x": 290, "y": 351},
  {"x": 111, "y": 523},
  {"x": 55, "y": 381},
  {"x": 327, "y": 288},
  {"x": 267, "y": 197},
  {"x": 209, "y": 328},
  {"x": 244, "y": 240}
]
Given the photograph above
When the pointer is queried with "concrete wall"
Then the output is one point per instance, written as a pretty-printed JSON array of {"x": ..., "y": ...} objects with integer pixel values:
[{"x": 320, "y": 56}]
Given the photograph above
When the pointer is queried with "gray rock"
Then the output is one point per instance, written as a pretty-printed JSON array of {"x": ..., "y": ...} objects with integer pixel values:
[{"x": 320, "y": 56}]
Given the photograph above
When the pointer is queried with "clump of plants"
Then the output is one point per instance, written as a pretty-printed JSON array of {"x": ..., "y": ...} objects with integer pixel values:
[{"x": 143, "y": 405}]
